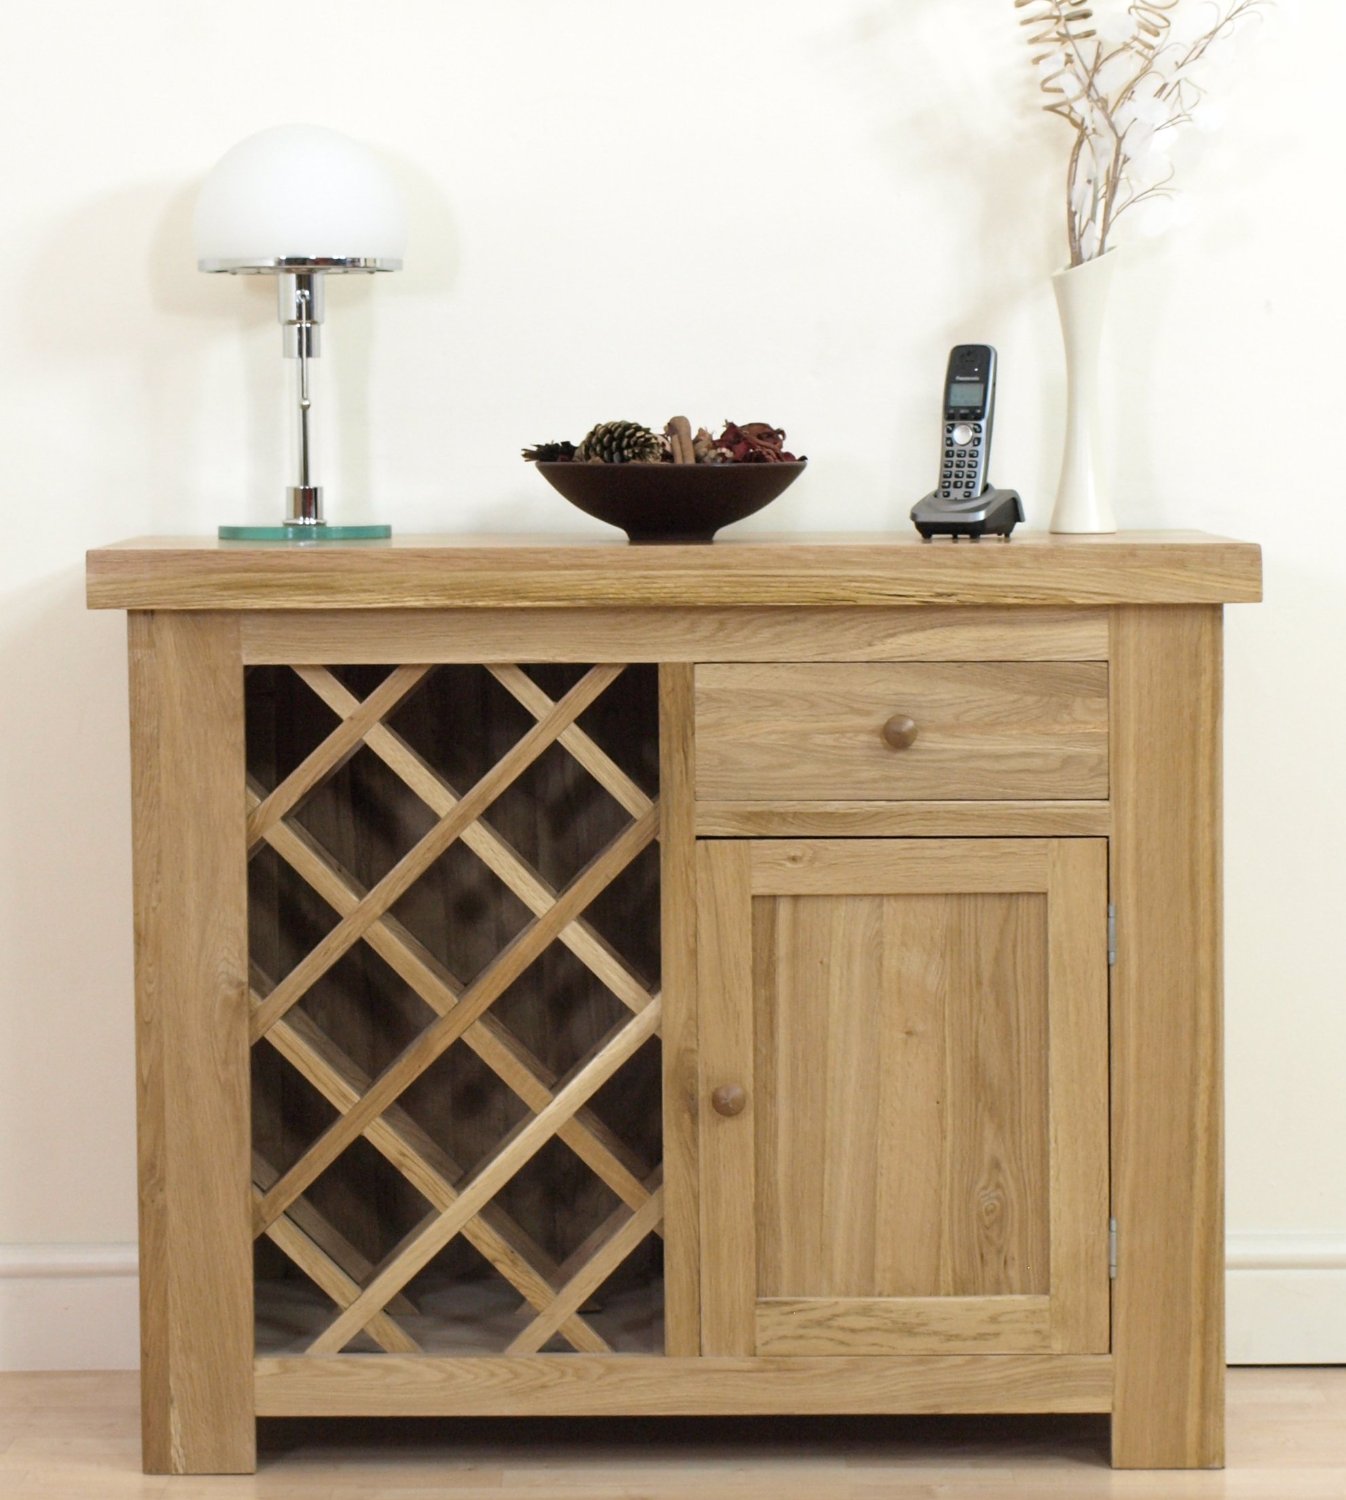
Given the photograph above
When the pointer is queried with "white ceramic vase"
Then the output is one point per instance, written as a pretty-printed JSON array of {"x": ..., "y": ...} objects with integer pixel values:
[{"x": 1082, "y": 503}]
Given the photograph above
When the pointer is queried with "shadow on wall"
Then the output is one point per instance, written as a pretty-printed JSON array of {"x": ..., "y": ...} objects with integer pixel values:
[
  {"x": 66, "y": 1036},
  {"x": 136, "y": 333},
  {"x": 198, "y": 348},
  {"x": 956, "y": 121}
]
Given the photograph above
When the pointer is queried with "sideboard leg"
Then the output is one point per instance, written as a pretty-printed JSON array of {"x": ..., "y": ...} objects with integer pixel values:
[
  {"x": 187, "y": 768},
  {"x": 1167, "y": 1099}
]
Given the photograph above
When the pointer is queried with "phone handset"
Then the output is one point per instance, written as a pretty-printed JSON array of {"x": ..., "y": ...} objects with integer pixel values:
[
  {"x": 964, "y": 502},
  {"x": 969, "y": 410}
]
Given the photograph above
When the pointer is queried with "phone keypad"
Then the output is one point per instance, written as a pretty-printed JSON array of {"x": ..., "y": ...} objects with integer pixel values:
[
  {"x": 962, "y": 456},
  {"x": 959, "y": 479}
]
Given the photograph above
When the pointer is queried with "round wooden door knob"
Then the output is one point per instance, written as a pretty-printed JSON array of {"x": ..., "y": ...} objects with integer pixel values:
[
  {"x": 900, "y": 732},
  {"x": 728, "y": 1100}
]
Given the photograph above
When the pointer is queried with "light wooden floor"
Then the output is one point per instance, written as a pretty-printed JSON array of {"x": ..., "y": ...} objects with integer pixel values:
[{"x": 75, "y": 1437}]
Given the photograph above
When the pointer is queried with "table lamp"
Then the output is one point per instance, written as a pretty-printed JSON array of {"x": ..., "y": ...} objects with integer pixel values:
[{"x": 300, "y": 203}]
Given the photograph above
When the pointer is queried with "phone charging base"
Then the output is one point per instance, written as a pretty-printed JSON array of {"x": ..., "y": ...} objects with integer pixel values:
[{"x": 995, "y": 512}]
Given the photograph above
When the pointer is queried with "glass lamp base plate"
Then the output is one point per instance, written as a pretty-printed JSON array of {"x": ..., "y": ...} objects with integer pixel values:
[{"x": 321, "y": 532}]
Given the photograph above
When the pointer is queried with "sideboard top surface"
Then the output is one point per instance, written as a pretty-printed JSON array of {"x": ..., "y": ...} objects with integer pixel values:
[{"x": 455, "y": 572}]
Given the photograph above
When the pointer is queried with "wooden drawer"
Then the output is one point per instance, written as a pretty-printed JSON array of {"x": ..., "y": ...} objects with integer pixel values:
[{"x": 808, "y": 731}]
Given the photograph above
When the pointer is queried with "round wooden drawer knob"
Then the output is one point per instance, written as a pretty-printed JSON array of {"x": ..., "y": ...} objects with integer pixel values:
[
  {"x": 900, "y": 732},
  {"x": 728, "y": 1100}
]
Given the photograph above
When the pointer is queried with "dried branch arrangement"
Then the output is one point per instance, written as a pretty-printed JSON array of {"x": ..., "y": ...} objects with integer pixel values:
[{"x": 1123, "y": 84}]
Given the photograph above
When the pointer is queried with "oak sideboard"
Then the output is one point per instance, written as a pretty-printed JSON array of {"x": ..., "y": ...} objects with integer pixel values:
[{"x": 781, "y": 976}]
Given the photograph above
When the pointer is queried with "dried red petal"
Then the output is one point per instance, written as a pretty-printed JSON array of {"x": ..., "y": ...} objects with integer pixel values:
[{"x": 755, "y": 443}]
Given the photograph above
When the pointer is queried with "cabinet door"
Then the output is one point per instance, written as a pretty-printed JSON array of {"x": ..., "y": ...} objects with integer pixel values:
[{"x": 904, "y": 1096}]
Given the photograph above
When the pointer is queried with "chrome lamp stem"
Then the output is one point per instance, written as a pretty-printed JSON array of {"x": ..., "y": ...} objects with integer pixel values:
[{"x": 301, "y": 305}]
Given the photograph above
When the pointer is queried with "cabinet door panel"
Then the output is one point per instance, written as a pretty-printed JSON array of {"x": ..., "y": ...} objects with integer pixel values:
[
  {"x": 930, "y": 1010},
  {"x": 921, "y": 1029}
]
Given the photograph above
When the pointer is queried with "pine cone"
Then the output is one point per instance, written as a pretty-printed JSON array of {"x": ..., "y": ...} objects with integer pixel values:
[
  {"x": 619, "y": 443},
  {"x": 549, "y": 453}
]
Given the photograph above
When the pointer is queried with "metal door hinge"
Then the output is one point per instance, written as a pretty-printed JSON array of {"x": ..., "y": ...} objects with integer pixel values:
[
  {"x": 1112, "y": 1249},
  {"x": 1112, "y": 934}
]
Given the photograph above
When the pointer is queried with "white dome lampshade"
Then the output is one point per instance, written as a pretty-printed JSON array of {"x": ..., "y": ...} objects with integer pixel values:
[{"x": 300, "y": 196}]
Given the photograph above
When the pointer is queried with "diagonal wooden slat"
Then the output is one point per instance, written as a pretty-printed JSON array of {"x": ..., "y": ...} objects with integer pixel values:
[
  {"x": 604, "y": 1152},
  {"x": 494, "y": 852},
  {"x": 430, "y": 1171},
  {"x": 555, "y": 1293},
  {"x": 590, "y": 1244},
  {"x": 414, "y": 864},
  {"x": 324, "y": 1272},
  {"x": 338, "y": 747},
  {"x": 635, "y": 1228},
  {"x": 420, "y": 1247},
  {"x": 595, "y": 1239},
  {"x": 600, "y": 1148},
  {"x": 592, "y": 757},
  {"x": 331, "y": 1241},
  {"x": 441, "y": 1034}
]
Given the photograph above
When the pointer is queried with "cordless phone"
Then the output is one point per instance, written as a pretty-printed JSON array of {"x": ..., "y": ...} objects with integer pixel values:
[
  {"x": 963, "y": 503},
  {"x": 969, "y": 410}
]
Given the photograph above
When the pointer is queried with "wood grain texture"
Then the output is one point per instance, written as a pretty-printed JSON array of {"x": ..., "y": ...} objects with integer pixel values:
[
  {"x": 909, "y": 867},
  {"x": 319, "y": 1267},
  {"x": 69, "y": 1434},
  {"x": 903, "y": 1325},
  {"x": 482, "y": 839},
  {"x": 930, "y": 1114},
  {"x": 795, "y": 731},
  {"x": 670, "y": 634},
  {"x": 187, "y": 767},
  {"x": 725, "y": 1046},
  {"x": 584, "y": 1385},
  {"x": 339, "y": 746},
  {"x": 1167, "y": 1037},
  {"x": 440, "y": 1228},
  {"x": 436, "y": 1038},
  {"x": 716, "y": 819},
  {"x": 592, "y": 757},
  {"x": 677, "y": 873},
  {"x": 901, "y": 1129},
  {"x": 1077, "y": 963},
  {"x": 470, "y": 572},
  {"x": 417, "y": 860},
  {"x": 448, "y": 735},
  {"x": 395, "y": 1135},
  {"x": 818, "y": 895},
  {"x": 507, "y": 1057},
  {"x": 324, "y": 1234},
  {"x": 597, "y": 1266}
]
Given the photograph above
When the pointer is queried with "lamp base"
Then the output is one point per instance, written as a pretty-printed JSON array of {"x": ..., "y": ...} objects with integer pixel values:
[{"x": 305, "y": 531}]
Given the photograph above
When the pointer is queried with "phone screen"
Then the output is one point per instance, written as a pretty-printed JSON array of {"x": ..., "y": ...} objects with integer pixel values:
[{"x": 966, "y": 393}]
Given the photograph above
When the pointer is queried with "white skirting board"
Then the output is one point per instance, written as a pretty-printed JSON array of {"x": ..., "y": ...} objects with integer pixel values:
[
  {"x": 1286, "y": 1299},
  {"x": 69, "y": 1307},
  {"x": 75, "y": 1307}
]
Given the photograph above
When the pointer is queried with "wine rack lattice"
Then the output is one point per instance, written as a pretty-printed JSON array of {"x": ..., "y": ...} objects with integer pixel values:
[{"x": 451, "y": 1042}]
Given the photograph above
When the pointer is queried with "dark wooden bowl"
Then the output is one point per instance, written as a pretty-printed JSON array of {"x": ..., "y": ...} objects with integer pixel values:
[{"x": 670, "y": 502}]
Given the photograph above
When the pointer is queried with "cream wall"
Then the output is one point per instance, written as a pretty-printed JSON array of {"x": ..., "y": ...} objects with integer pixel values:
[{"x": 737, "y": 209}]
